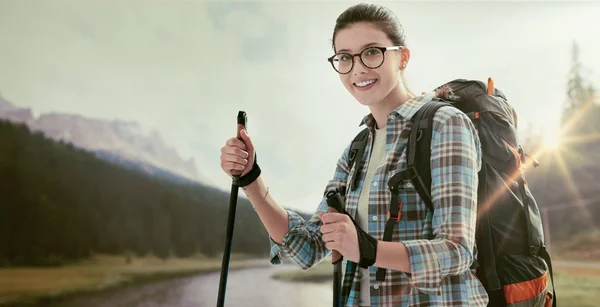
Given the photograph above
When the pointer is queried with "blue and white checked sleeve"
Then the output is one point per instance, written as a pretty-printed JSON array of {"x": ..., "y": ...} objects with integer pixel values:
[
  {"x": 455, "y": 162},
  {"x": 302, "y": 244}
]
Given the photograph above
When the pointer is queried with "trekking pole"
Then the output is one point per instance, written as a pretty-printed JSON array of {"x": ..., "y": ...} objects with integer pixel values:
[
  {"x": 241, "y": 124},
  {"x": 336, "y": 204}
]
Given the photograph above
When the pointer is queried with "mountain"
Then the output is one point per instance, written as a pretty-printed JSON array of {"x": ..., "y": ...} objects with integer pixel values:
[
  {"x": 146, "y": 168},
  {"x": 115, "y": 140},
  {"x": 14, "y": 114}
]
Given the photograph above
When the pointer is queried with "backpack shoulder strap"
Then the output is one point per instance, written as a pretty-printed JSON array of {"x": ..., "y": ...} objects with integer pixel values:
[
  {"x": 418, "y": 154},
  {"x": 357, "y": 150}
]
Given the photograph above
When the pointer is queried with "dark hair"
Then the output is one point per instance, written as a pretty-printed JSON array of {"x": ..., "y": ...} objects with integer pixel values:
[{"x": 380, "y": 16}]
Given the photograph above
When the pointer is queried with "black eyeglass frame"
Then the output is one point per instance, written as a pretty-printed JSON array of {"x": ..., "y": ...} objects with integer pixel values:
[{"x": 382, "y": 49}]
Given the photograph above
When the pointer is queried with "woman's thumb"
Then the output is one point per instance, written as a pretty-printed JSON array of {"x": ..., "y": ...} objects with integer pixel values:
[{"x": 246, "y": 139}]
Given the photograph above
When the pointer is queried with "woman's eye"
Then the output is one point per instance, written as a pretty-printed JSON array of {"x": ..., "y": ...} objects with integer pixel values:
[{"x": 373, "y": 51}]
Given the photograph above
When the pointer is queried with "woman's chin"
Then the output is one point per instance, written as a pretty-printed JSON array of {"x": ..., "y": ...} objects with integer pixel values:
[{"x": 366, "y": 101}]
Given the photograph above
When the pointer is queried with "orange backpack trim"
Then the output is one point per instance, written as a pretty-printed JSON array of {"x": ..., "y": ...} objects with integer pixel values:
[{"x": 525, "y": 290}]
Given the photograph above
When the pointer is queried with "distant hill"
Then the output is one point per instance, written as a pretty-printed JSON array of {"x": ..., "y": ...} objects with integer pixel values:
[
  {"x": 143, "y": 167},
  {"x": 113, "y": 139}
]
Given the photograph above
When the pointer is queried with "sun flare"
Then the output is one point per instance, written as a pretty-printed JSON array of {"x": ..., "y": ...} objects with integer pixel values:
[{"x": 551, "y": 141}]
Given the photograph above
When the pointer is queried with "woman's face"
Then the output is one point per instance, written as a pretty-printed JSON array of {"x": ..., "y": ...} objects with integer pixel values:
[{"x": 368, "y": 85}]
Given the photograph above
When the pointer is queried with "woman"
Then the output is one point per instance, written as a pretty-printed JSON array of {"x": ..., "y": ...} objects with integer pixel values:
[{"x": 430, "y": 256}]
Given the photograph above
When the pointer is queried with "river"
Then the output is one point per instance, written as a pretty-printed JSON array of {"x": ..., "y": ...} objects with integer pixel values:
[{"x": 247, "y": 287}]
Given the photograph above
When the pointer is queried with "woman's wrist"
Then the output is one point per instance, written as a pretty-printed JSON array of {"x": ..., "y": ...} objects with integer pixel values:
[
  {"x": 392, "y": 255},
  {"x": 256, "y": 191}
]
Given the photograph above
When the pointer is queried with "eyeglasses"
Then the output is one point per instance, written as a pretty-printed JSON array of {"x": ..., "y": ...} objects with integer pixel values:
[{"x": 371, "y": 57}]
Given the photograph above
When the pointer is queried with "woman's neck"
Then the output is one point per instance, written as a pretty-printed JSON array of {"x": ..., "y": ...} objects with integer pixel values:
[{"x": 393, "y": 100}]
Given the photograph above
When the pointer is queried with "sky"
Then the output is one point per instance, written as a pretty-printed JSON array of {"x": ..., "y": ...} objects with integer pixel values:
[{"x": 185, "y": 68}]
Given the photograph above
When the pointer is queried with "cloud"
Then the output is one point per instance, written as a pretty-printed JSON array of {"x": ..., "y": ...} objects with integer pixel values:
[
  {"x": 262, "y": 37},
  {"x": 221, "y": 10}
]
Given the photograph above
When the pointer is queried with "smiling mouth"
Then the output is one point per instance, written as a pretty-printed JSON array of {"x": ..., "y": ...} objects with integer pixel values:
[{"x": 365, "y": 84}]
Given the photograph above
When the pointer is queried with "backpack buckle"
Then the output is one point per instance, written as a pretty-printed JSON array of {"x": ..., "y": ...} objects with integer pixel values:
[{"x": 397, "y": 215}]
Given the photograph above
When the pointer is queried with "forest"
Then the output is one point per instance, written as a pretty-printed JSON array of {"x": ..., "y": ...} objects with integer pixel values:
[{"x": 59, "y": 204}]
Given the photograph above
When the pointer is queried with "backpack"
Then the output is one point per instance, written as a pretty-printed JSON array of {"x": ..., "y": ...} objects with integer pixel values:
[{"x": 512, "y": 264}]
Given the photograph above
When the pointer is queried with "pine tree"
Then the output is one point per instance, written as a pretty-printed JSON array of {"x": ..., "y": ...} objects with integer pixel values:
[{"x": 581, "y": 112}]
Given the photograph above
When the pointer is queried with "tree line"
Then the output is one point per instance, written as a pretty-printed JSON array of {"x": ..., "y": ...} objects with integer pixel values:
[{"x": 60, "y": 204}]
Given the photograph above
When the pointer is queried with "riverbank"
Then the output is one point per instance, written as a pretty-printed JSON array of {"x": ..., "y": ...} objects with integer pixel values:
[
  {"x": 30, "y": 286},
  {"x": 319, "y": 273}
]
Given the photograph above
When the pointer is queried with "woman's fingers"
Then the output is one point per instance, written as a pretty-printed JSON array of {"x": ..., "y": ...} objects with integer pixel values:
[
  {"x": 231, "y": 162},
  {"x": 238, "y": 154},
  {"x": 228, "y": 157},
  {"x": 234, "y": 156},
  {"x": 234, "y": 151},
  {"x": 333, "y": 217},
  {"x": 333, "y": 241},
  {"x": 325, "y": 229},
  {"x": 229, "y": 166},
  {"x": 249, "y": 147},
  {"x": 234, "y": 141},
  {"x": 232, "y": 159}
]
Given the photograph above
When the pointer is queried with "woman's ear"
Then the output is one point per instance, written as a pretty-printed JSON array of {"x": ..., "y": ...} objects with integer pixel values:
[{"x": 404, "y": 57}]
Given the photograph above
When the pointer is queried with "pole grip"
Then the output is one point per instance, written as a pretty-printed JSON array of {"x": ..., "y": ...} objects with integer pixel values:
[
  {"x": 241, "y": 124},
  {"x": 335, "y": 203}
]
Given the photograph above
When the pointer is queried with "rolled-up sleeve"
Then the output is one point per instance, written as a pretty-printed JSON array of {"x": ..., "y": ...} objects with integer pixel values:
[
  {"x": 455, "y": 163},
  {"x": 302, "y": 244}
]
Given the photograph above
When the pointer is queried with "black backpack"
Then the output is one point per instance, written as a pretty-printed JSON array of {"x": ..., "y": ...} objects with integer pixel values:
[{"x": 512, "y": 261}]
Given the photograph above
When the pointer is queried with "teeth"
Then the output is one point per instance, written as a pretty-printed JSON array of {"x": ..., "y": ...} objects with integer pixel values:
[{"x": 364, "y": 83}]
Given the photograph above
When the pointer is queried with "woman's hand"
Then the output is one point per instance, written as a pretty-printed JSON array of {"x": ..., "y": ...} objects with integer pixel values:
[
  {"x": 339, "y": 233},
  {"x": 238, "y": 154}
]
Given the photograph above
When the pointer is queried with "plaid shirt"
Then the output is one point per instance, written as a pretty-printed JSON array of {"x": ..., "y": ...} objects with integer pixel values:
[{"x": 440, "y": 273}]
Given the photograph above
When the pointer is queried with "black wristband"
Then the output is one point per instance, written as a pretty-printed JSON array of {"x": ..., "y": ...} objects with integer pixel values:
[
  {"x": 250, "y": 177},
  {"x": 367, "y": 246}
]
